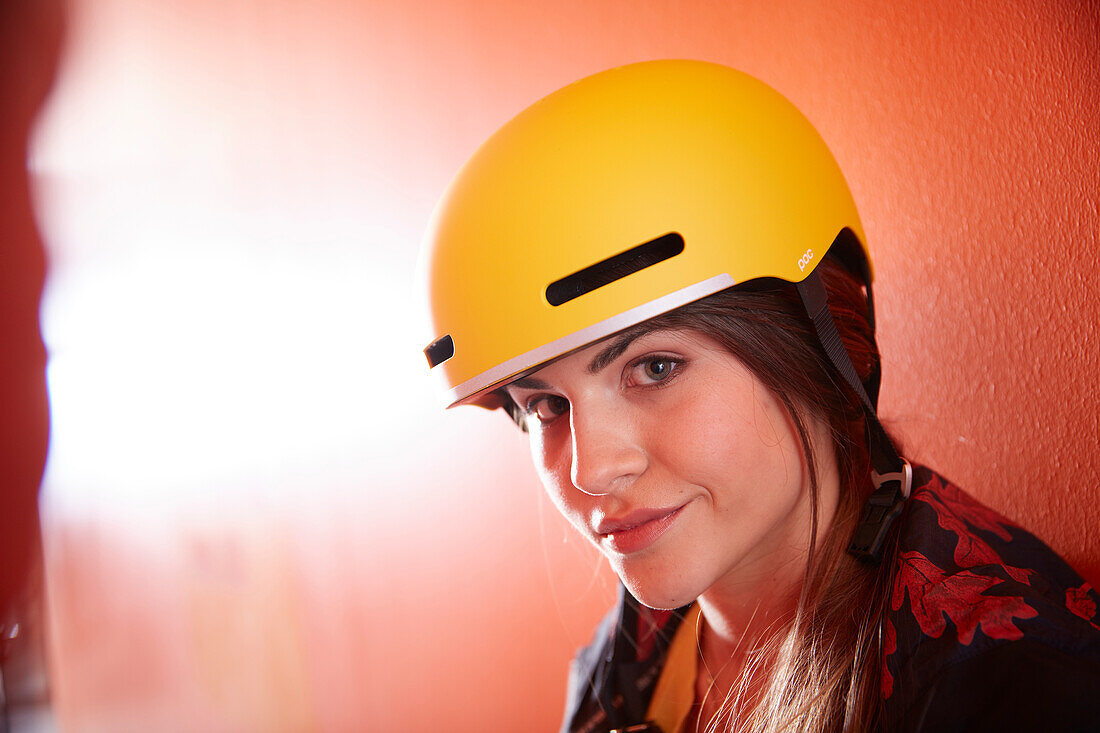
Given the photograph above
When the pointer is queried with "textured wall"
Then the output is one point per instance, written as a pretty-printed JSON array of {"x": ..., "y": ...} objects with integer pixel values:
[
  {"x": 974, "y": 157},
  {"x": 256, "y": 516}
]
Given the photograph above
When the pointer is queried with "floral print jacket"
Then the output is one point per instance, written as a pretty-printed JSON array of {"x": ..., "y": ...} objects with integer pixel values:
[{"x": 987, "y": 629}]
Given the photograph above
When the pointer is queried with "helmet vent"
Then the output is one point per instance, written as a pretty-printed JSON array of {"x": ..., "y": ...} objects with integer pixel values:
[
  {"x": 440, "y": 350},
  {"x": 614, "y": 268}
]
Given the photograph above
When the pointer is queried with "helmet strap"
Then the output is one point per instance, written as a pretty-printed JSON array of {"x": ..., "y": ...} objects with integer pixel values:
[{"x": 891, "y": 475}]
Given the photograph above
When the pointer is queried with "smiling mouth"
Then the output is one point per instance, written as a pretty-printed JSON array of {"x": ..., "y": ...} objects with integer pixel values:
[{"x": 636, "y": 531}]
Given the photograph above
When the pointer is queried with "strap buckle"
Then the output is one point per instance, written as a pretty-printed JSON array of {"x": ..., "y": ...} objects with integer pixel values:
[
  {"x": 883, "y": 508},
  {"x": 904, "y": 477}
]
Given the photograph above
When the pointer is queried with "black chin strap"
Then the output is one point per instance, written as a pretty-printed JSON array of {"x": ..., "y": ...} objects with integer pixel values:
[{"x": 891, "y": 474}]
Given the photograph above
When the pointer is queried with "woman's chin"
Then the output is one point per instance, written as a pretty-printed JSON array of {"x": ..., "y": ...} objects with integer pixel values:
[
  {"x": 659, "y": 581},
  {"x": 659, "y": 596}
]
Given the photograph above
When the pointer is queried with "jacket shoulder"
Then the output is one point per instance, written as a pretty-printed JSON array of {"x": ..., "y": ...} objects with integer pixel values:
[
  {"x": 973, "y": 591},
  {"x": 1020, "y": 686},
  {"x": 611, "y": 680},
  {"x": 580, "y": 689}
]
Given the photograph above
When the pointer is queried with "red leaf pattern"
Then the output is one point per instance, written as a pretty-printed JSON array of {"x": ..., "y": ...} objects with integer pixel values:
[
  {"x": 959, "y": 504},
  {"x": 1079, "y": 602},
  {"x": 970, "y": 550},
  {"x": 954, "y": 569},
  {"x": 889, "y": 646},
  {"x": 936, "y": 598}
]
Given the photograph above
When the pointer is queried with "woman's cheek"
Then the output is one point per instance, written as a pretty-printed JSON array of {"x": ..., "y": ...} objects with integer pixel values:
[{"x": 553, "y": 468}]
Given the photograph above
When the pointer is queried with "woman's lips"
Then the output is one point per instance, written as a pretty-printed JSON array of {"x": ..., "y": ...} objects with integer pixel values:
[{"x": 636, "y": 531}]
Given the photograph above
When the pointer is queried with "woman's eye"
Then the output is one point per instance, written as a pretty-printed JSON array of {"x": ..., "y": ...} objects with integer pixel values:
[
  {"x": 547, "y": 407},
  {"x": 656, "y": 369}
]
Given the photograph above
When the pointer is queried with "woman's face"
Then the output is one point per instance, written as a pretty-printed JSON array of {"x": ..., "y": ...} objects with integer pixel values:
[{"x": 685, "y": 471}]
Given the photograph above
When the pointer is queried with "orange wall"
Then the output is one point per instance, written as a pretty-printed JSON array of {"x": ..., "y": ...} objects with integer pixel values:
[{"x": 357, "y": 560}]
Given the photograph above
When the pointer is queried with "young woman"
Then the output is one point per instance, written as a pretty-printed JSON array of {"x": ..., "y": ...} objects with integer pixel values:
[{"x": 660, "y": 273}]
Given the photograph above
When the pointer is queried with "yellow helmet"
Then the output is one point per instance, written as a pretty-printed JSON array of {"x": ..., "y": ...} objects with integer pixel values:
[
  {"x": 620, "y": 197},
  {"x": 628, "y": 194}
]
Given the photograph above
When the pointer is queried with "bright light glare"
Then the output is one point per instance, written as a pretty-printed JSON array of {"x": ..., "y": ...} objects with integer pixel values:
[{"x": 180, "y": 371}]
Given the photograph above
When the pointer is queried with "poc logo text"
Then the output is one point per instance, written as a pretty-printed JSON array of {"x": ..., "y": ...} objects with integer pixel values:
[{"x": 805, "y": 260}]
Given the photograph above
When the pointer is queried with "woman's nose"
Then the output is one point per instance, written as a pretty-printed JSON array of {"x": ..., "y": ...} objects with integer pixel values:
[{"x": 607, "y": 455}]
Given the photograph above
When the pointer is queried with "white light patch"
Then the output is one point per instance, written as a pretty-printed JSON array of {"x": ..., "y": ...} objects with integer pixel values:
[
  {"x": 231, "y": 236},
  {"x": 177, "y": 374}
]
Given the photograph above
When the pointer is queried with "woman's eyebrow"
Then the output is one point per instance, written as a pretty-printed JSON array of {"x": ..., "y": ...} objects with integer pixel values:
[
  {"x": 530, "y": 383},
  {"x": 617, "y": 346},
  {"x": 612, "y": 351}
]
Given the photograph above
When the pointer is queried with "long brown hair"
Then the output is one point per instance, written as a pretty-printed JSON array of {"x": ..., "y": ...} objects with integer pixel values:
[{"x": 824, "y": 672}]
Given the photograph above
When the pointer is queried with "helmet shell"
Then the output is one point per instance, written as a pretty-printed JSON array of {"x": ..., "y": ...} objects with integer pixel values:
[{"x": 598, "y": 168}]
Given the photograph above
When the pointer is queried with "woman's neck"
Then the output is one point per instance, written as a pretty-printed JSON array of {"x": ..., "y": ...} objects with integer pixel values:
[
  {"x": 734, "y": 654},
  {"x": 735, "y": 615},
  {"x": 743, "y": 617}
]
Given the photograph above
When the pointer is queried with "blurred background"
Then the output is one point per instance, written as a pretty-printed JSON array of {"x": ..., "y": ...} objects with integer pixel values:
[{"x": 254, "y": 515}]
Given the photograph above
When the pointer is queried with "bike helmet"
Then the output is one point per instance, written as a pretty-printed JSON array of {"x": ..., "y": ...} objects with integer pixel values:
[{"x": 623, "y": 196}]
